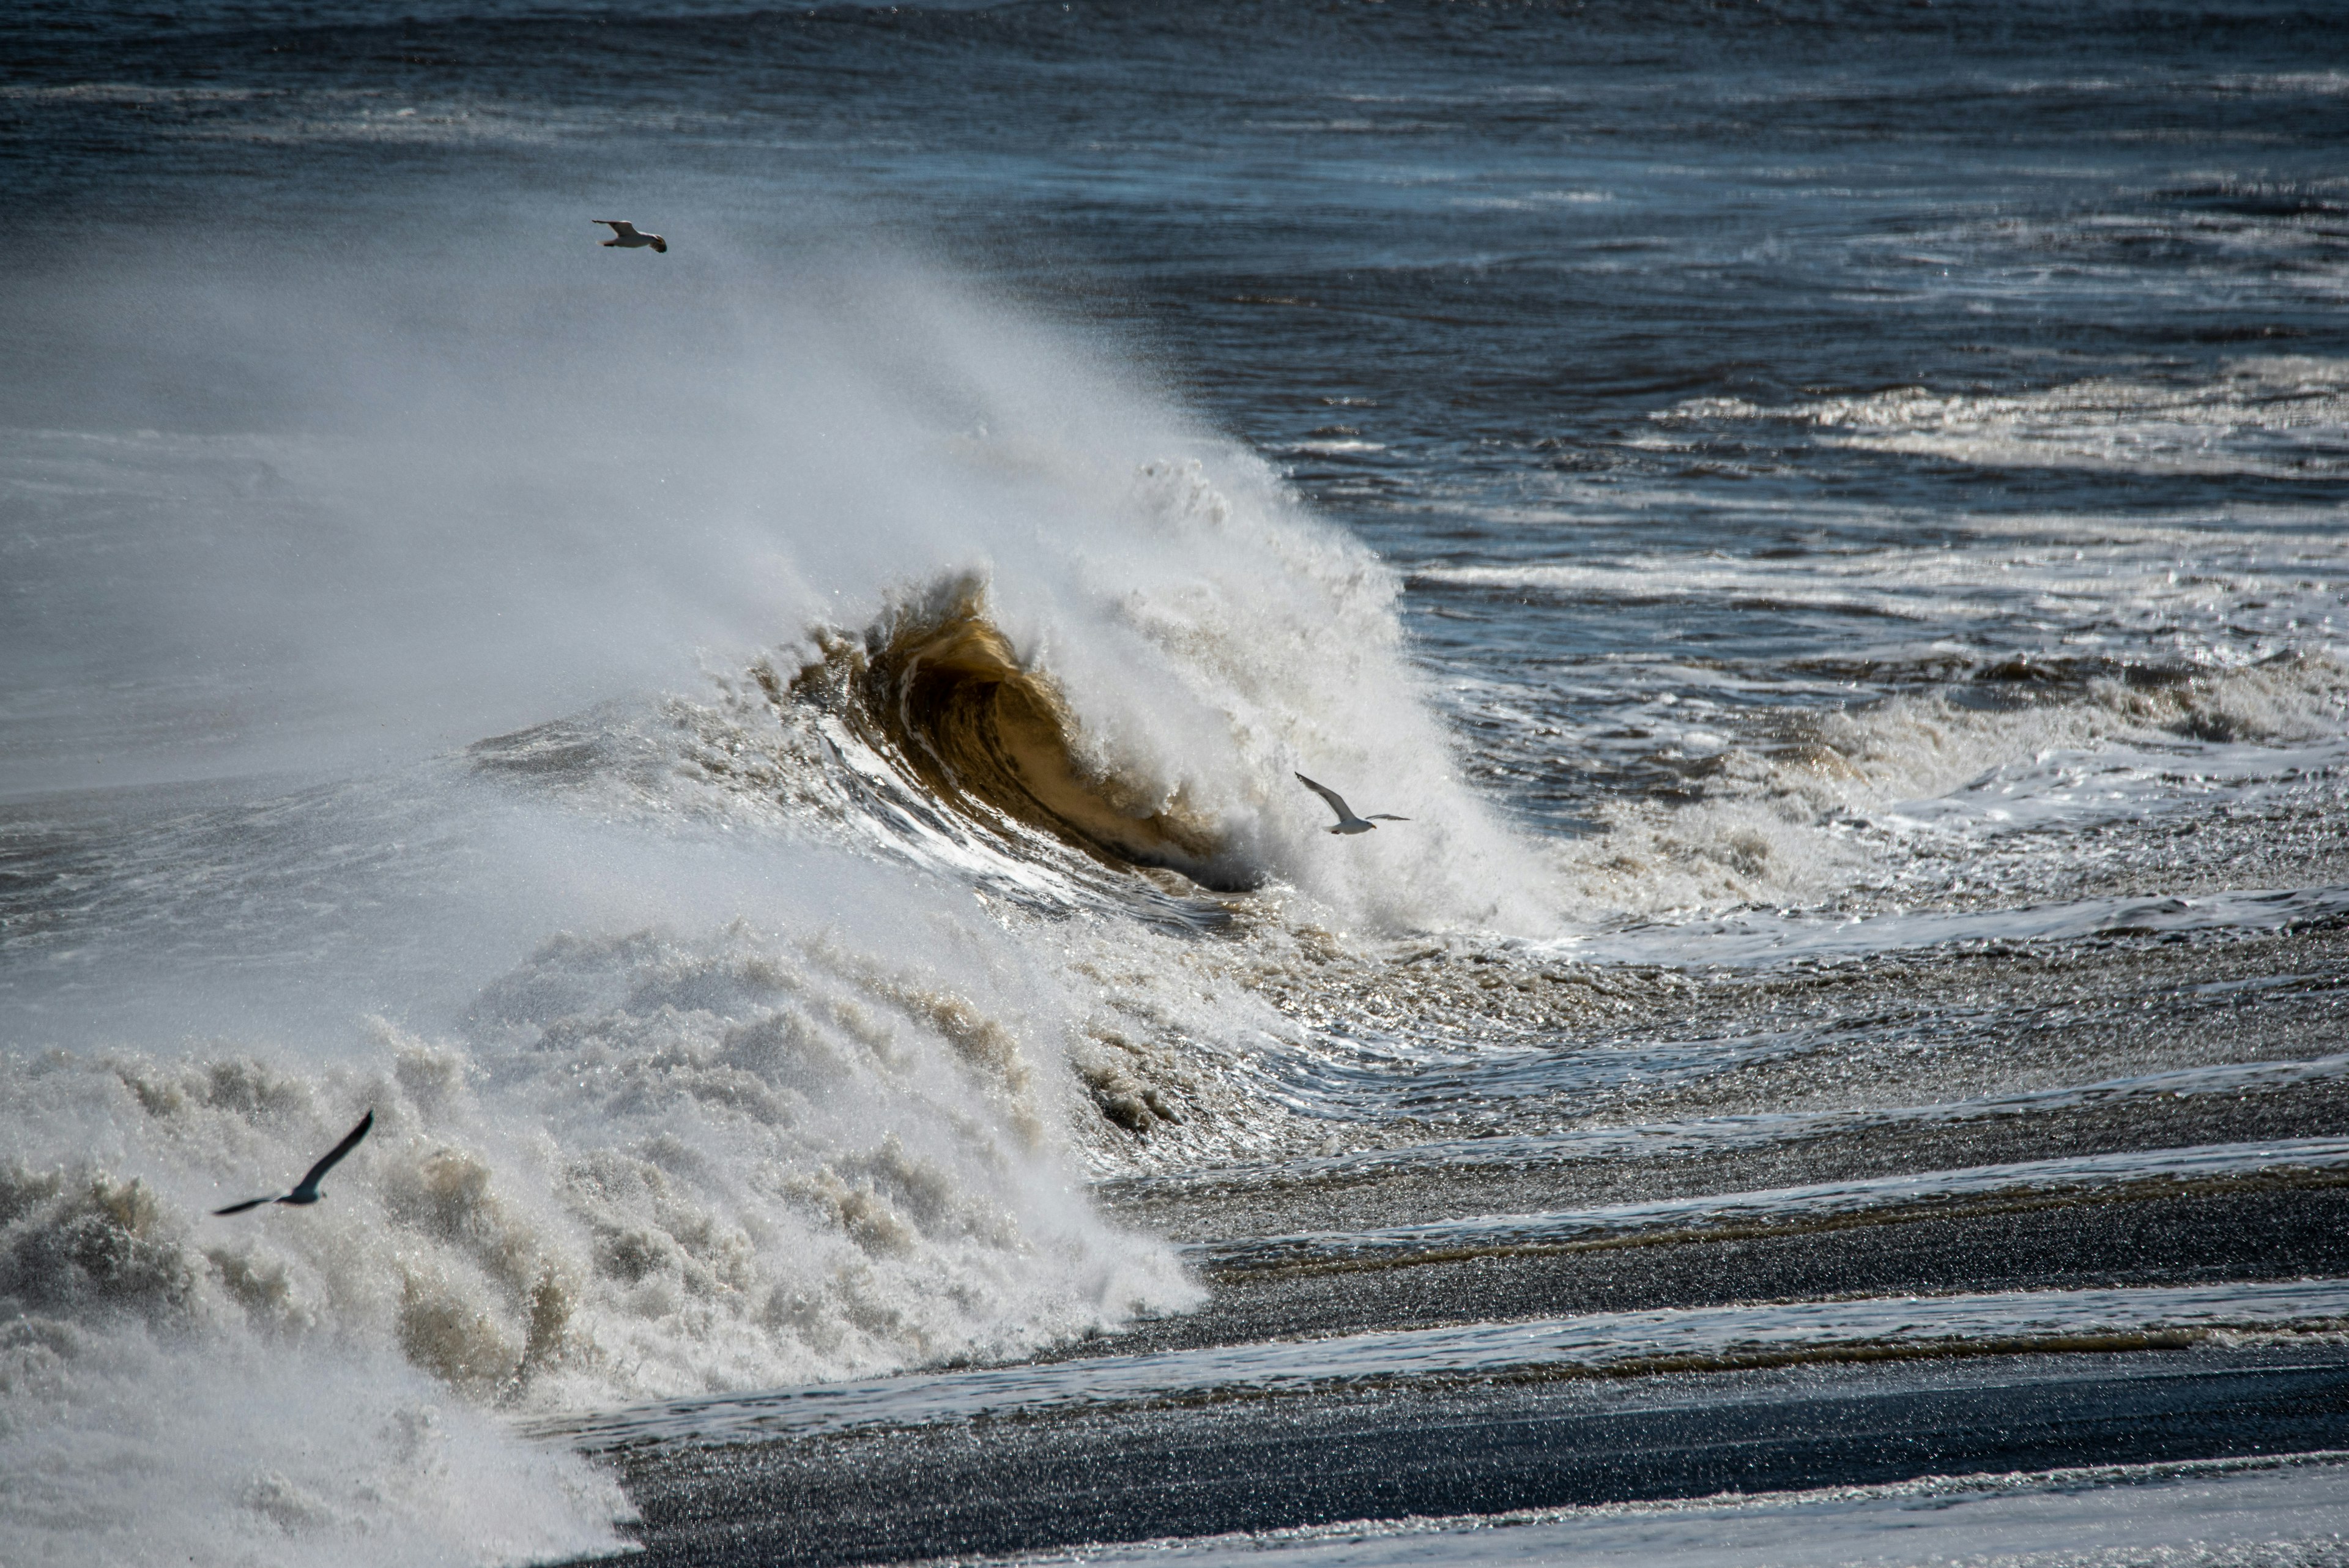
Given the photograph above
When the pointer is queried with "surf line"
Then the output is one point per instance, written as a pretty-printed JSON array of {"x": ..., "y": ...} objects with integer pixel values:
[{"x": 1602, "y": 1346}]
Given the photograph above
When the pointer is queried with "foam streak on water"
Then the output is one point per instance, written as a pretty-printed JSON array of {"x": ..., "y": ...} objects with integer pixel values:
[{"x": 1601, "y": 1342}]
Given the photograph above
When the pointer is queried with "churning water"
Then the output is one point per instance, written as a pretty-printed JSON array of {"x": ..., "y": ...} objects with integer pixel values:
[{"x": 770, "y": 766}]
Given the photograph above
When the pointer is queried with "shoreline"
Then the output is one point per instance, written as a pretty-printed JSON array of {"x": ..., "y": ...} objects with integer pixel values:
[
  {"x": 1009, "y": 1486},
  {"x": 1237, "y": 1457}
]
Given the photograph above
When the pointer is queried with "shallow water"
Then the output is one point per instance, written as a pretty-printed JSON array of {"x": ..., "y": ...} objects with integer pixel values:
[
  {"x": 2224, "y": 1512},
  {"x": 1681, "y": 1340},
  {"x": 769, "y": 765}
]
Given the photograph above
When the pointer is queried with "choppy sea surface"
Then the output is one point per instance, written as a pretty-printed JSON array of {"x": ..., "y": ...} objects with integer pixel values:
[{"x": 770, "y": 766}]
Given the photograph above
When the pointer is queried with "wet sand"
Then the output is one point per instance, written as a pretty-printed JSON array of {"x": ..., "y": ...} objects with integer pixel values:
[
  {"x": 995, "y": 1487},
  {"x": 1439, "y": 1446}
]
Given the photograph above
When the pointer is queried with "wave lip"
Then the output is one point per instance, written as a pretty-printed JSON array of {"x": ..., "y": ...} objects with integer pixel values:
[{"x": 938, "y": 690}]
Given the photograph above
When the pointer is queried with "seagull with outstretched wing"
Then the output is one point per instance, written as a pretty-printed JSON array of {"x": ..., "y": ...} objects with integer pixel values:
[
  {"x": 307, "y": 1190},
  {"x": 1347, "y": 821},
  {"x": 627, "y": 236}
]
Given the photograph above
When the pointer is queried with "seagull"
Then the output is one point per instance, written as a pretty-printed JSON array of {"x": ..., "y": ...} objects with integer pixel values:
[
  {"x": 626, "y": 235},
  {"x": 307, "y": 1190},
  {"x": 1347, "y": 821}
]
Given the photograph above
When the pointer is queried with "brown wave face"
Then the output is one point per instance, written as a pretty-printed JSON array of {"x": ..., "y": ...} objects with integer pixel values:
[{"x": 935, "y": 686}]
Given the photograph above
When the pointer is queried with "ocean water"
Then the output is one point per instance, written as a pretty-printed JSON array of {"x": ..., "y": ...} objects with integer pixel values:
[
  {"x": 770, "y": 766},
  {"x": 2224, "y": 1512}
]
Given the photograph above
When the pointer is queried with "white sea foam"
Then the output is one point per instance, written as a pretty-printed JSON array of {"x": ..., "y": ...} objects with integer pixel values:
[
  {"x": 2275, "y": 416},
  {"x": 1802, "y": 822},
  {"x": 2181, "y": 582},
  {"x": 647, "y": 1164},
  {"x": 122, "y": 1445}
]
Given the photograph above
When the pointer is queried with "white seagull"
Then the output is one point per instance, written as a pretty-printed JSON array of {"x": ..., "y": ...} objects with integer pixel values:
[
  {"x": 1347, "y": 821},
  {"x": 626, "y": 235},
  {"x": 307, "y": 1190}
]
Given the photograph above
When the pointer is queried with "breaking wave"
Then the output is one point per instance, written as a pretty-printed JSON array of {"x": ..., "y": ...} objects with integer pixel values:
[
  {"x": 648, "y": 1166},
  {"x": 1125, "y": 740},
  {"x": 1068, "y": 663},
  {"x": 930, "y": 736},
  {"x": 938, "y": 691}
]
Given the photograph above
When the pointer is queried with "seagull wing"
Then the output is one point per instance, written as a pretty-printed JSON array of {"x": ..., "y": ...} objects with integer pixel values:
[
  {"x": 350, "y": 1141},
  {"x": 1385, "y": 816},
  {"x": 1336, "y": 802},
  {"x": 620, "y": 227},
  {"x": 240, "y": 1208}
]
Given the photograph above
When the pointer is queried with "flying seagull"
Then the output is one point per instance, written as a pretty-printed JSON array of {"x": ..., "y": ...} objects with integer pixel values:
[
  {"x": 307, "y": 1190},
  {"x": 1347, "y": 821},
  {"x": 626, "y": 235}
]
